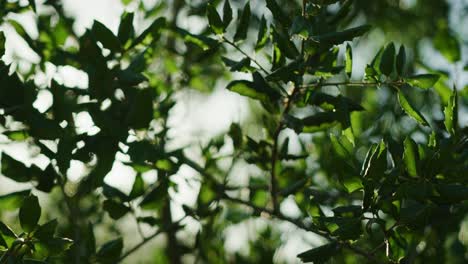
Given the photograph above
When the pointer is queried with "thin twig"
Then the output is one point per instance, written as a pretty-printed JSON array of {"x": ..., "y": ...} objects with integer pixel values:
[{"x": 230, "y": 42}]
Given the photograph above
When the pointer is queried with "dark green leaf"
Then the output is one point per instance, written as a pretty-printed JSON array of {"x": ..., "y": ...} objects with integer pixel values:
[
  {"x": 242, "y": 65},
  {"x": 410, "y": 157},
  {"x": 214, "y": 20},
  {"x": 29, "y": 213},
  {"x": 156, "y": 198},
  {"x": 243, "y": 26},
  {"x": 126, "y": 30},
  {"x": 14, "y": 169},
  {"x": 424, "y": 81},
  {"x": 33, "y": 4},
  {"x": 235, "y": 132},
  {"x": 110, "y": 252},
  {"x": 46, "y": 231},
  {"x": 227, "y": 13},
  {"x": 138, "y": 187},
  {"x": 335, "y": 38},
  {"x": 57, "y": 245},
  {"x": 257, "y": 89},
  {"x": 320, "y": 254},
  {"x": 13, "y": 201},
  {"x": 415, "y": 114},
  {"x": 453, "y": 193},
  {"x": 387, "y": 62},
  {"x": 116, "y": 210},
  {"x": 141, "y": 110},
  {"x": 278, "y": 13},
  {"x": 401, "y": 61},
  {"x": 262, "y": 37},
  {"x": 152, "y": 30},
  {"x": 106, "y": 37}
]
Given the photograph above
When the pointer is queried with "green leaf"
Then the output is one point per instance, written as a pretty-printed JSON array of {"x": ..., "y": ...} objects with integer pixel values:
[
  {"x": 57, "y": 245},
  {"x": 262, "y": 37},
  {"x": 387, "y": 62},
  {"x": 335, "y": 38},
  {"x": 320, "y": 121},
  {"x": 300, "y": 27},
  {"x": 138, "y": 187},
  {"x": 7, "y": 235},
  {"x": 13, "y": 201},
  {"x": 401, "y": 61},
  {"x": 235, "y": 132},
  {"x": 320, "y": 254},
  {"x": 126, "y": 30},
  {"x": 423, "y": 81},
  {"x": 451, "y": 113},
  {"x": 105, "y": 36},
  {"x": 227, "y": 13},
  {"x": 141, "y": 110},
  {"x": 29, "y": 213},
  {"x": 410, "y": 156},
  {"x": 46, "y": 231},
  {"x": 153, "y": 31},
  {"x": 241, "y": 66},
  {"x": 243, "y": 26},
  {"x": 349, "y": 61},
  {"x": 14, "y": 169},
  {"x": 116, "y": 210},
  {"x": 258, "y": 89},
  {"x": 156, "y": 198},
  {"x": 214, "y": 20},
  {"x": 448, "y": 45},
  {"x": 278, "y": 13},
  {"x": 415, "y": 114},
  {"x": 110, "y": 252},
  {"x": 17, "y": 135}
]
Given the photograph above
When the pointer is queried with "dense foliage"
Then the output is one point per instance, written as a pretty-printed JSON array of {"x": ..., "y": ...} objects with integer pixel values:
[{"x": 366, "y": 166}]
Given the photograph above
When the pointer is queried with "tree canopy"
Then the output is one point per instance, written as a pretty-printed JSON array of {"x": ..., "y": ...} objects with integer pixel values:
[{"x": 354, "y": 146}]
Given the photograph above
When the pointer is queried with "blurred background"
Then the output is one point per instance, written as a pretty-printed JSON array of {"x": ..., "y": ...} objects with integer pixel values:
[{"x": 205, "y": 109}]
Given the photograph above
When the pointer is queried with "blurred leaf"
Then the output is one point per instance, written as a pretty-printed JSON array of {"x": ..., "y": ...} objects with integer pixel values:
[
  {"x": 320, "y": 254},
  {"x": 349, "y": 61},
  {"x": 243, "y": 26},
  {"x": 257, "y": 89},
  {"x": 110, "y": 252},
  {"x": 46, "y": 231},
  {"x": 411, "y": 157},
  {"x": 451, "y": 113},
  {"x": 13, "y": 201},
  {"x": 448, "y": 45},
  {"x": 424, "y": 81},
  {"x": 14, "y": 169},
  {"x": 105, "y": 36},
  {"x": 29, "y": 213},
  {"x": 152, "y": 30},
  {"x": 242, "y": 65},
  {"x": 415, "y": 114},
  {"x": 116, "y": 210},
  {"x": 138, "y": 187},
  {"x": 126, "y": 30},
  {"x": 17, "y": 135},
  {"x": 278, "y": 13}
]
